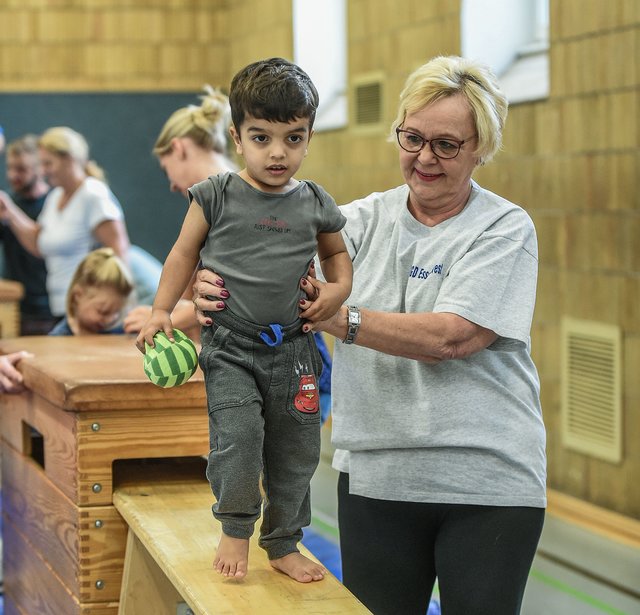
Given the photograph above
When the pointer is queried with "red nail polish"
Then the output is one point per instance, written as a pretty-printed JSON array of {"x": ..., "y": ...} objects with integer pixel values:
[
  {"x": 224, "y": 294},
  {"x": 220, "y": 282},
  {"x": 220, "y": 304},
  {"x": 301, "y": 301},
  {"x": 304, "y": 282},
  {"x": 209, "y": 322}
]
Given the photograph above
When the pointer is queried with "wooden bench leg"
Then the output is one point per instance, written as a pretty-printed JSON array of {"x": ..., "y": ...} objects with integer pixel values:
[{"x": 145, "y": 588}]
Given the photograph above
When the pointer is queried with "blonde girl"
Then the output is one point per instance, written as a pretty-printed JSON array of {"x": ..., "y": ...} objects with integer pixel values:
[{"x": 97, "y": 295}]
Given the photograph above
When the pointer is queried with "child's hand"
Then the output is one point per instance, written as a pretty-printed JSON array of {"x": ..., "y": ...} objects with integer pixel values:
[
  {"x": 330, "y": 296},
  {"x": 160, "y": 320}
]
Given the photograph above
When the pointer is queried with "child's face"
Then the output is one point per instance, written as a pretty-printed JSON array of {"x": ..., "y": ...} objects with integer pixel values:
[
  {"x": 96, "y": 309},
  {"x": 272, "y": 151}
]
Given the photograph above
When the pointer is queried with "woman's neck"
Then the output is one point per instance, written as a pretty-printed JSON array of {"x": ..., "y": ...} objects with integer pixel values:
[
  {"x": 432, "y": 214},
  {"x": 219, "y": 163},
  {"x": 71, "y": 184}
]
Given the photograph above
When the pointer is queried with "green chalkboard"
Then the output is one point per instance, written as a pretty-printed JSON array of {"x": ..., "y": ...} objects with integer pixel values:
[{"x": 121, "y": 130}]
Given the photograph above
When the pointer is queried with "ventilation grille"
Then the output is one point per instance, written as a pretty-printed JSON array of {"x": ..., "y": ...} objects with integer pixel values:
[
  {"x": 591, "y": 389},
  {"x": 368, "y": 102}
]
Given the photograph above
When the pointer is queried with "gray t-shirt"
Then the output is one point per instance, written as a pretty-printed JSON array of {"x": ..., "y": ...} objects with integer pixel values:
[
  {"x": 466, "y": 431},
  {"x": 261, "y": 243}
]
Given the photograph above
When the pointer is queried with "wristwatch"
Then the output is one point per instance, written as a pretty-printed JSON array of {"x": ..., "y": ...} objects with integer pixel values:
[{"x": 353, "y": 324}]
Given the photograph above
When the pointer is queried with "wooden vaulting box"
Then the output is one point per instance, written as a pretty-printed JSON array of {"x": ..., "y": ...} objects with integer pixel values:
[{"x": 85, "y": 410}]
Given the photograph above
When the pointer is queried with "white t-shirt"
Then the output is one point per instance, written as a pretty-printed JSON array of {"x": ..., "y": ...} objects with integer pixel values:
[
  {"x": 466, "y": 431},
  {"x": 66, "y": 236}
]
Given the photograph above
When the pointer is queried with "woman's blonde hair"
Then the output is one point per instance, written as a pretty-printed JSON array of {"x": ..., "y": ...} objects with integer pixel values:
[
  {"x": 101, "y": 268},
  {"x": 206, "y": 125},
  {"x": 445, "y": 76},
  {"x": 64, "y": 141}
]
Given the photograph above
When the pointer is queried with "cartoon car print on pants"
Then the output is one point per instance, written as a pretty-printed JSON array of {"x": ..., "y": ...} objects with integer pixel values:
[{"x": 307, "y": 399}]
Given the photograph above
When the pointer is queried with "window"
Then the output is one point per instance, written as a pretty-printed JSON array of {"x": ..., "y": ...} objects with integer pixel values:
[
  {"x": 320, "y": 48},
  {"x": 512, "y": 38}
]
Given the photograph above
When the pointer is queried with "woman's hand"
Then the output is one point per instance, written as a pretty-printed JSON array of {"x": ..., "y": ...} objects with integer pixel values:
[
  {"x": 208, "y": 295},
  {"x": 10, "y": 378}
]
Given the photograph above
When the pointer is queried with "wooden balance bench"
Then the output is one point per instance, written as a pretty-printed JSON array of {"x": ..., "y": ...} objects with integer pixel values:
[
  {"x": 89, "y": 416},
  {"x": 171, "y": 544}
]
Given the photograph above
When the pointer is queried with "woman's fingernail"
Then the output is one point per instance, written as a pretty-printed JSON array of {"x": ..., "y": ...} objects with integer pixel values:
[
  {"x": 312, "y": 265},
  {"x": 224, "y": 294},
  {"x": 220, "y": 282},
  {"x": 301, "y": 301},
  {"x": 209, "y": 321},
  {"x": 304, "y": 282},
  {"x": 220, "y": 304}
]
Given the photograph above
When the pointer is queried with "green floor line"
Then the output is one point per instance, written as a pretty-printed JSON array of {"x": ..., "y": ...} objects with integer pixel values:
[
  {"x": 325, "y": 527},
  {"x": 575, "y": 593}
]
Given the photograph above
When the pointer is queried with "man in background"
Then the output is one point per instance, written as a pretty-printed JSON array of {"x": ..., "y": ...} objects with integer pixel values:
[{"x": 28, "y": 191}]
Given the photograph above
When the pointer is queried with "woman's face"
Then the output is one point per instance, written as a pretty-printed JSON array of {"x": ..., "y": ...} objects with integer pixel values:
[
  {"x": 179, "y": 170},
  {"x": 440, "y": 186},
  {"x": 56, "y": 168}
]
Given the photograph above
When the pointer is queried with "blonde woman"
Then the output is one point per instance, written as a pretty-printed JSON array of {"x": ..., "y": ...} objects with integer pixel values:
[
  {"x": 97, "y": 294},
  {"x": 79, "y": 213},
  {"x": 192, "y": 146}
]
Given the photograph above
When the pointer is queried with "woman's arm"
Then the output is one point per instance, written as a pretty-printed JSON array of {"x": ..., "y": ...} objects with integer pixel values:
[
  {"x": 426, "y": 336},
  {"x": 113, "y": 234},
  {"x": 23, "y": 227}
]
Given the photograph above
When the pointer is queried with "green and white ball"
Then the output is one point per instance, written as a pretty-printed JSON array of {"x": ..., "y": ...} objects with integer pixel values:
[{"x": 170, "y": 364}]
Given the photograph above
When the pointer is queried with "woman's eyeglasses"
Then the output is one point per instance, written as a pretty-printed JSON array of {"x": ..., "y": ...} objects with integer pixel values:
[{"x": 442, "y": 148}]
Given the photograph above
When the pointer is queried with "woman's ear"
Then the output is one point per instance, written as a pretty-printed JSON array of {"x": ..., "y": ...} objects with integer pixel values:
[{"x": 177, "y": 146}]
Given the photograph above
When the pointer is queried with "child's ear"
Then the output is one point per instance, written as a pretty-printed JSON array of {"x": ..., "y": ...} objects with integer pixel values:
[
  {"x": 75, "y": 294},
  {"x": 235, "y": 135},
  {"x": 306, "y": 151}
]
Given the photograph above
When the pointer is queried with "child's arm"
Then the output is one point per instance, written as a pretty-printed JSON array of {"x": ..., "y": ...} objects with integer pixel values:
[
  {"x": 337, "y": 271},
  {"x": 176, "y": 273}
]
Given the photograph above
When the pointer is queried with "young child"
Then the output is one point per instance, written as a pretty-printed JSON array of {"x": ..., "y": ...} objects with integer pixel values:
[
  {"x": 260, "y": 228},
  {"x": 97, "y": 295}
]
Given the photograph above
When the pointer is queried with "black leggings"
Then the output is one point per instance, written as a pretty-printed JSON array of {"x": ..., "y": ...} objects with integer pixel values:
[{"x": 393, "y": 551}]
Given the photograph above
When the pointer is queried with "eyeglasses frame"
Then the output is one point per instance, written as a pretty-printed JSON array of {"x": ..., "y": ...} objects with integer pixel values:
[{"x": 430, "y": 141}]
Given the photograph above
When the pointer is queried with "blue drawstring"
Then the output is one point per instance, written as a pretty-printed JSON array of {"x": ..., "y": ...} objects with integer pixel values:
[{"x": 277, "y": 332}]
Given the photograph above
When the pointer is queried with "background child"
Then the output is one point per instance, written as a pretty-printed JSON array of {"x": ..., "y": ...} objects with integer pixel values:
[
  {"x": 97, "y": 295},
  {"x": 260, "y": 229}
]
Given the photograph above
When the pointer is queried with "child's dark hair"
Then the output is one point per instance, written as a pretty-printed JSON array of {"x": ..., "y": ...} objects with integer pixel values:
[{"x": 275, "y": 90}]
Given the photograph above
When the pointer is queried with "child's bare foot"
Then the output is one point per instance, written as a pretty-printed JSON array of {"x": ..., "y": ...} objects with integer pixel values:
[
  {"x": 299, "y": 567},
  {"x": 232, "y": 557}
]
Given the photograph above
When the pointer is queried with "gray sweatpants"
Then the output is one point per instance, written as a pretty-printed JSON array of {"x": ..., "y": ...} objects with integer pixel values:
[{"x": 264, "y": 418}]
